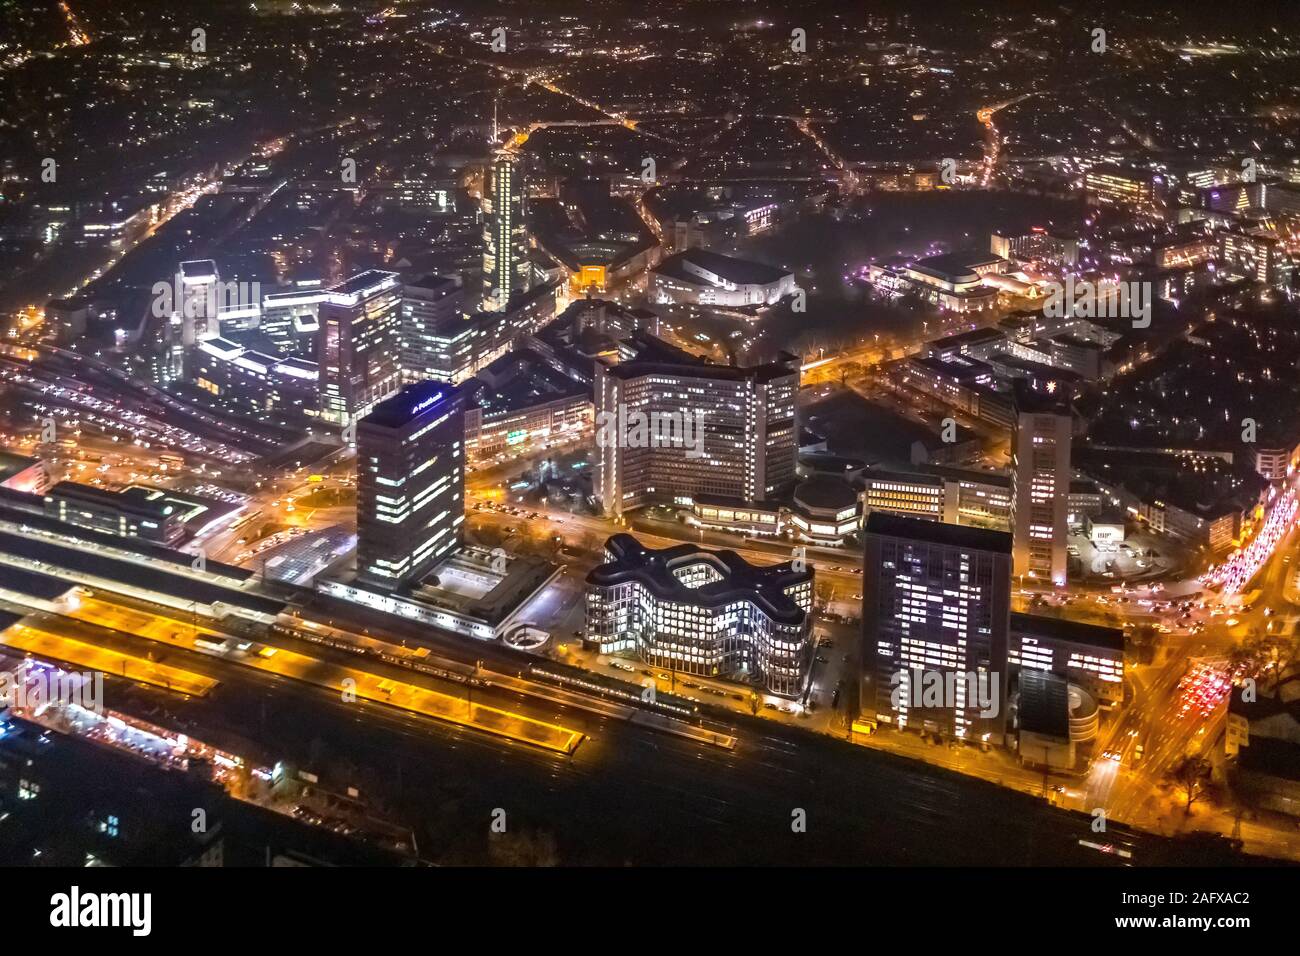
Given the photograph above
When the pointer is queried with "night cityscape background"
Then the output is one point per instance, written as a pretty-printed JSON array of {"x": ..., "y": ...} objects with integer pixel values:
[{"x": 621, "y": 434}]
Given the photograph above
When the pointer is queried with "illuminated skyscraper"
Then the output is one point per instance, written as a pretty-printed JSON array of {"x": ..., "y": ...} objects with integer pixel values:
[
  {"x": 410, "y": 482},
  {"x": 737, "y": 436},
  {"x": 358, "y": 343},
  {"x": 437, "y": 338},
  {"x": 194, "y": 293},
  {"x": 506, "y": 268},
  {"x": 936, "y": 607},
  {"x": 1040, "y": 486},
  {"x": 200, "y": 304}
]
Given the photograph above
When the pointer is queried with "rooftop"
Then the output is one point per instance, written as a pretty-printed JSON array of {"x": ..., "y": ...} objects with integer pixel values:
[
  {"x": 1076, "y": 632},
  {"x": 435, "y": 283},
  {"x": 970, "y": 337},
  {"x": 131, "y": 500},
  {"x": 520, "y": 379},
  {"x": 422, "y": 399},
  {"x": 739, "y": 580},
  {"x": 132, "y": 574},
  {"x": 935, "y": 532},
  {"x": 27, "y": 511},
  {"x": 33, "y": 584},
  {"x": 825, "y": 493},
  {"x": 364, "y": 283},
  {"x": 654, "y": 356},
  {"x": 739, "y": 271},
  {"x": 198, "y": 270},
  {"x": 11, "y": 464},
  {"x": 1044, "y": 703}
]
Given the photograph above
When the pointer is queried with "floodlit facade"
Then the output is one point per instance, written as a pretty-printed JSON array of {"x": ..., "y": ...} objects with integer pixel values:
[
  {"x": 703, "y": 612},
  {"x": 825, "y": 510},
  {"x": 700, "y": 277},
  {"x": 914, "y": 494}
]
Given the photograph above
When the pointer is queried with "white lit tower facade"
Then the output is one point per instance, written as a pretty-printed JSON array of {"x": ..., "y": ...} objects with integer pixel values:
[
  {"x": 506, "y": 268},
  {"x": 1040, "y": 487}
]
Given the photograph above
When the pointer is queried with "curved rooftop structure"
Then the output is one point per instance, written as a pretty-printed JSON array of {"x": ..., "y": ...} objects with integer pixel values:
[
  {"x": 828, "y": 493},
  {"x": 727, "y": 577}
]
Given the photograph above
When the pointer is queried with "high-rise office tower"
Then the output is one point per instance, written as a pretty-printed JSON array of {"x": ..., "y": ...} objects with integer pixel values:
[
  {"x": 936, "y": 615},
  {"x": 410, "y": 482},
  {"x": 434, "y": 331},
  {"x": 670, "y": 427},
  {"x": 357, "y": 345},
  {"x": 1040, "y": 486},
  {"x": 292, "y": 319},
  {"x": 199, "y": 305},
  {"x": 506, "y": 267},
  {"x": 194, "y": 314}
]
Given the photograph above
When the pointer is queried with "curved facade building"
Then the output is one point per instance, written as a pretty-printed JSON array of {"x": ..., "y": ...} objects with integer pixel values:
[
  {"x": 703, "y": 612},
  {"x": 825, "y": 510}
]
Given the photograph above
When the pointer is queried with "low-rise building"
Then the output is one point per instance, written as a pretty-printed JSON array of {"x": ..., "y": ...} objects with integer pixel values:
[
  {"x": 1105, "y": 530},
  {"x": 521, "y": 403},
  {"x": 825, "y": 510},
  {"x": 23, "y": 473},
  {"x": 1193, "y": 496},
  {"x": 599, "y": 240},
  {"x": 1086, "y": 654},
  {"x": 940, "y": 493},
  {"x": 700, "y": 277},
  {"x": 133, "y": 513},
  {"x": 953, "y": 281},
  {"x": 967, "y": 385},
  {"x": 710, "y": 613},
  {"x": 1039, "y": 245},
  {"x": 722, "y": 513},
  {"x": 1274, "y": 462},
  {"x": 1262, "y": 744}
]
